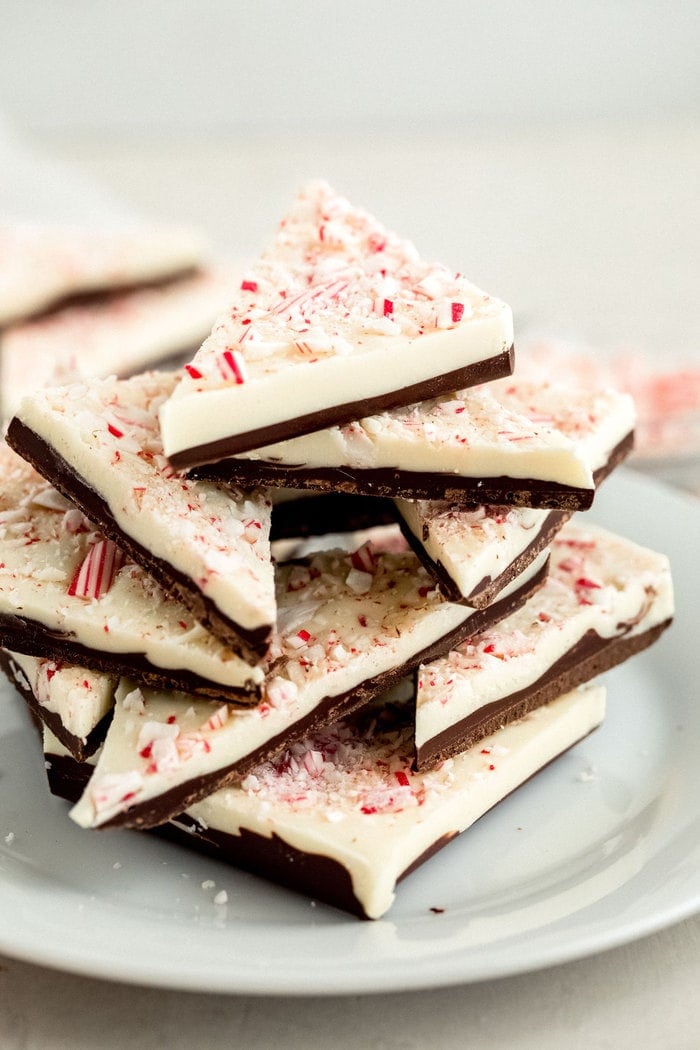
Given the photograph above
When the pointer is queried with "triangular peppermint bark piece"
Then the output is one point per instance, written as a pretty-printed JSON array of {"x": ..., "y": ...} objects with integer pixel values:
[
  {"x": 343, "y": 816},
  {"x": 117, "y": 333},
  {"x": 98, "y": 442},
  {"x": 68, "y": 594},
  {"x": 604, "y": 600},
  {"x": 351, "y": 625},
  {"x": 473, "y": 554},
  {"x": 339, "y": 318},
  {"x": 75, "y": 703},
  {"x": 509, "y": 442},
  {"x": 41, "y": 265}
]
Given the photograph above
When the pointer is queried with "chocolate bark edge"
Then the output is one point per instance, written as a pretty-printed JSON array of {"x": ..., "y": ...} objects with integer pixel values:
[
  {"x": 252, "y": 643},
  {"x": 160, "y": 808},
  {"x": 589, "y": 657},
  {"x": 425, "y": 485},
  {"x": 484, "y": 593},
  {"x": 79, "y": 748},
  {"x": 496, "y": 367},
  {"x": 26, "y": 636},
  {"x": 100, "y": 294}
]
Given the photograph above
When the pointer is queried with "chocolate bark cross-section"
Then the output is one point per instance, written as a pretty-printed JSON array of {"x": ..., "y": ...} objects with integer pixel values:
[
  {"x": 339, "y": 318},
  {"x": 343, "y": 816},
  {"x": 98, "y": 443},
  {"x": 346, "y": 634},
  {"x": 605, "y": 599},
  {"x": 68, "y": 594},
  {"x": 120, "y": 332},
  {"x": 510, "y": 442},
  {"x": 41, "y": 265},
  {"x": 474, "y": 554},
  {"x": 75, "y": 703}
]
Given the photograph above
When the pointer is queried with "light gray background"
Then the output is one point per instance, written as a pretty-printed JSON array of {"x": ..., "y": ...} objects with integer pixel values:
[{"x": 208, "y": 66}]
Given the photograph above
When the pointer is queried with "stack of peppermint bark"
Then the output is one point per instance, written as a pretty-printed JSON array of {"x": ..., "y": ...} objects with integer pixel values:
[{"x": 332, "y": 719}]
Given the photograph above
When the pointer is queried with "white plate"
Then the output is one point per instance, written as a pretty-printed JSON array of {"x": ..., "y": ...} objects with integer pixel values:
[{"x": 601, "y": 848}]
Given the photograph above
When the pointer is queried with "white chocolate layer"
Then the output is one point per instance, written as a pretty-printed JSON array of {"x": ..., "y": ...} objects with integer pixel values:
[
  {"x": 505, "y": 428},
  {"x": 79, "y": 696},
  {"x": 43, "y": 541},
  {"x": 472, "y": 546},
  {"x": 339, "y": 627},
  {"x": 597, "y": 582},
  {"x": 359, "y": 802},
  {"x": 107, "y": 432},
  {"x": 40, "y": 265},
  {"x": 337, "y": 311},
  {"x": 121, "y": 333}
]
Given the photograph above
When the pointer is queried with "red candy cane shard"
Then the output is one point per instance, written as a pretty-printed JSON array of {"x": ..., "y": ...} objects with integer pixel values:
[
  {"x": 232, "y": 366},
  {"x": 94, "y": 576},
  {"x": 193, "y": 372},
  {"x": 364, "y": 559}
]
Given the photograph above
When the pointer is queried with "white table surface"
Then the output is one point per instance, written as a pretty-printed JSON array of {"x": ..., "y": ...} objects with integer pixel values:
[{"x": 588, "y": 232}]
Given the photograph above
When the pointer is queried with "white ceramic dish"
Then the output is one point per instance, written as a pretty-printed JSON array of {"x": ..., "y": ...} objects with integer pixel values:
[{"x": 601, "y": 848}]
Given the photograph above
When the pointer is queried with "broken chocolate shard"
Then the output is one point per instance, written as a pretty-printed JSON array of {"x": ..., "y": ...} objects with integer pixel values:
[
  {"x": 204, "y": 544},
  {"x": 605, "y": 600},
  {"x": 67, "y": 594},
  {"x": 339, "y": 317}
]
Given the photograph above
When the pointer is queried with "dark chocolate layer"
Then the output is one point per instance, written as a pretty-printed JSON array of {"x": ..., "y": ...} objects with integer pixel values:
[
  {"x": 591, "y": 656},
  {"x": 80, "y": 749},
  {"x": 67, "y": 777},
  {"x": 331, "y": 709},
  {"x": 390, "y": 481},
  {"x": 51, "y": 465},
  {"x": 323, "y": 513},
  {"x": 105, "y": 294},
  {"x": 486, "y": 590},
  {"x": 35, "y": 639},
  {"x": 336, "y": 415}
]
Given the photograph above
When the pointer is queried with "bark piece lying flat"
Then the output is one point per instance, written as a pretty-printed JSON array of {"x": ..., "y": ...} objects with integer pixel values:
[
  {"x": 119, "y": 332},
  {"x": 604, "y": 600},
  {"x": 75, "y": 703},
  {"x": 98, "y": 442},
  {"x": 346, "y": 635},
  {"x": 41, "y": 265},
  {"x": 339, "y": 318},
  {"x": 66, "y": 594},
  {"x": 343, "y": 817},
  {"x": 509, "y": 442}
]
